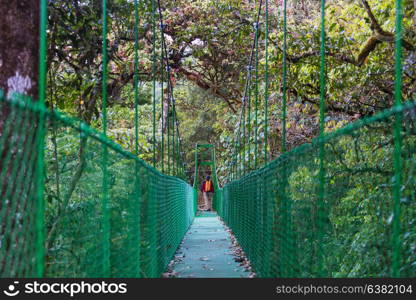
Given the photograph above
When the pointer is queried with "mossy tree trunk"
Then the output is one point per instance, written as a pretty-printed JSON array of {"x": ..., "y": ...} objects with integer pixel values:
[
  {"x": 19, "y": 56},
  {"x": 19, "y": 46}
]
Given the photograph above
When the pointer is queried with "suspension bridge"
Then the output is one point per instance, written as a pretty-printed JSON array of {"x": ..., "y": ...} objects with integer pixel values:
[{"x": 76, "y": 204}]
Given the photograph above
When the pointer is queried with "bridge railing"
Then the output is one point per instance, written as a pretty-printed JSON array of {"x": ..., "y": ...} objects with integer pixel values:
[
  {"x": 353, "y": 226},
  {"x": 79, "y": 229}
]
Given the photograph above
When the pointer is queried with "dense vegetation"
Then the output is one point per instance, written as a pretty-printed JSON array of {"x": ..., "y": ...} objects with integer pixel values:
[{"x": 209, "y": 43}]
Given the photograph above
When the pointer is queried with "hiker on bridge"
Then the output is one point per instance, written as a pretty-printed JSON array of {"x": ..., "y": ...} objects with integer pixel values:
[{"x": 207, "y": 189}]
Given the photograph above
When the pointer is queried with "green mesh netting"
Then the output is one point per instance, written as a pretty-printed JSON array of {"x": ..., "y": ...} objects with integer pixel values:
[
  {"x": 148, "y": 213},
  {"x": 278, "y": 219},
  {"x": 343, "y": 206}
]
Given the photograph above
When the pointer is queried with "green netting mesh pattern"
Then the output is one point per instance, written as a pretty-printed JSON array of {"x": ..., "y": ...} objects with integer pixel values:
[
  {"x": 149, "y": 212},
  {"x": 276, "y": 217}
]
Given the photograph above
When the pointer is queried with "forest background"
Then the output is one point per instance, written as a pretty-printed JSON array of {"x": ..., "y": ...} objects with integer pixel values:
[{"x": 209, "y": 44}]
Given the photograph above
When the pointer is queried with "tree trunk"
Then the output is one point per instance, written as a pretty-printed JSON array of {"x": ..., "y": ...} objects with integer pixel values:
[{"x": 19, "y": 47}]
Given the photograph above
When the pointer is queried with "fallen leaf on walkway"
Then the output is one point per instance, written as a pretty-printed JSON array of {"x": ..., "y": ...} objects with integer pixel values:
[
  {"x": 171, "y": 274},
  {"x": 238, "y": 253}
]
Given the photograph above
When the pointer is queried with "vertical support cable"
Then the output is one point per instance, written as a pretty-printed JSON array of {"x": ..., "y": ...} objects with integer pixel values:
[
  {"x": 181, "y": 161},
  {"x": 40, "y": 142},
  {"x": 322, "y": 72},
  {"x": 230, "y": 170},
  {"x": 249, "y": 127},
  {"x": 177, "y": 167},
  {"x": 256, "y": 103},
  {"x": 196, "y": 168},
  {"x": 152, "y": 205},
  {"x": 154, "y": 80},
  {"x": 178, "y": 146},
  {"x": 286, "y": 248},
  {"x": 168, "y": 124},
  {"x": 288, "y": 253},
  {"x": 136, "y": 77},
  {"x": 235, "y": 159},
  {"x": 173, "y": 138},
  {"x": 235, "y": 155},
  {"x": 268, "y": 206},
  {"x": 321, "y": 191},
  {"x": 398, "y": 163},
  {"x": 215, "y": 180},
  {"x": 175, "y": 149},
  {"x": 178, "y": 152},
  {"x": 243, "y": 160},
  {"x": 181, "y": 168},
  {"x": 162, "y": 71},
  {"x": 284, "y": 78},
  {"x": 238, "y": 166},
  {"x": 136, "y": 129},
  {"x": 105, "y": 206},
  {"x": 195, "y": 185},
  {"x": 266, "y": 88},
  {"x": 237, "y": 145},
  {"x": 169, "y": 93},
  {"x": 162, "y": 148}
]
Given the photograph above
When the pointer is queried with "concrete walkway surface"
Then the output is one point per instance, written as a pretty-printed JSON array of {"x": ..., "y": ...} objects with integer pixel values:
[{"x": 206, "y": 251}]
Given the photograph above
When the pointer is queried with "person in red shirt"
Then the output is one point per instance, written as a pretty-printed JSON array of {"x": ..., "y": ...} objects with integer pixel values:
[{"x": 207, "y": 189}]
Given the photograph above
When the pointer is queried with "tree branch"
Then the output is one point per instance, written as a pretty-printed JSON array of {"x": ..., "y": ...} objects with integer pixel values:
[{"x": 197, "y": 79}]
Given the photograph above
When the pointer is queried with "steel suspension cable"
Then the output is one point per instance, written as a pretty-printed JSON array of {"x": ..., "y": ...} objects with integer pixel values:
[
  {"x": 170, "y": 92},
  {"x": 168, "y": 129},
  {"x": 398, "y": 161},
  {"x": 248, "y": 79},
  {"x": 286, "y": 257},
  {"x": 136, "y": 77},
  {"x": 256, "y": 104},
  {"x": 170, "y": 87},
  {"x": 266, "y": 90},
  {"x": 249, "y": 128},
  {"x": 162, "y": 117},
  {"x": 154, "y": 80},
  {"x": 137, "y": 188},
  {"x": 179, "y": 146},
  {"x": 179, "y": 140},
  {"x": 105, "y": 204},
  {"x": 243, "y": 155},
  {"x": 163, "y": 58},
  {"x": 174, "y": 133},
  {"x": 40, "y": 142},
  {"x": 284, "y": 77},
  {"x": 321, "y": 196},
  {"x": 173, "y": 140},
  {"x": 237, "y": 146}
]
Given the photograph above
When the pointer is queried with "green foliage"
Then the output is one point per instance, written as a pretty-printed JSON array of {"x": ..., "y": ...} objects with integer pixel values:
[
  {"x": 209, "y": 43},
  {"x": 276, "y": 215}
]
